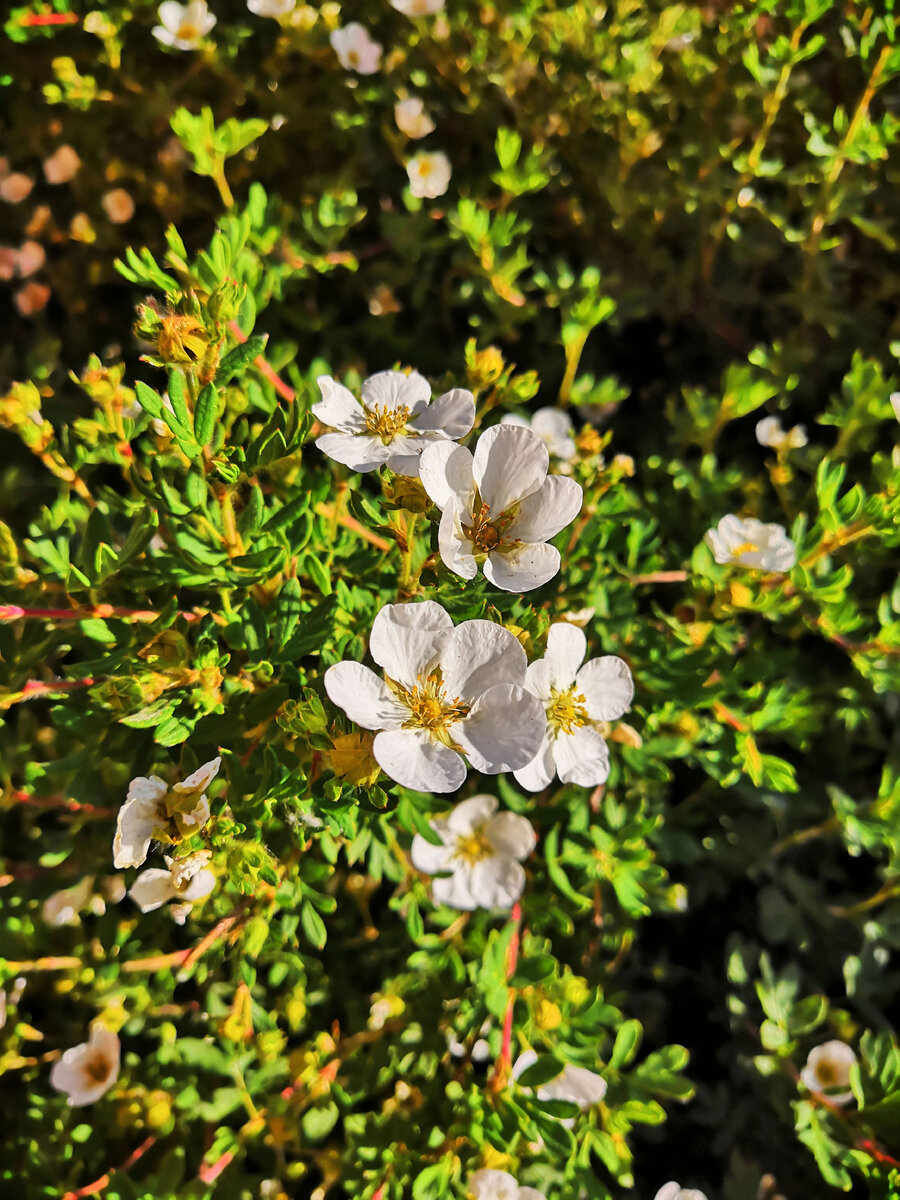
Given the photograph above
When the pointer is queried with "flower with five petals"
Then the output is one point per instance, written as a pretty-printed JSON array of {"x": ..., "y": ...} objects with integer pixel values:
[
  {"x": 183, "y": 26},
  {"x": 86, "y": 1071},
  {"x": 746, "y": 542}
]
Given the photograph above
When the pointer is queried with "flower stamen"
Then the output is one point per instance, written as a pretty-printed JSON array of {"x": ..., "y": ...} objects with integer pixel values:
[
  {"x": 473, "y": 847},
  {"x": 567, "y": 710},
  {"x": 428, "y": 706},
  {"x": 386, "y": 422}
]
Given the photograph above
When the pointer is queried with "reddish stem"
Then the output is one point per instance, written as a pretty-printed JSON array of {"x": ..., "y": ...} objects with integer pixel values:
[
  {"x": 92, "y": 1189},
  {"x": 31, "y": 19},
  {"x": 12, "y": 612},
  {"x": 209, "y": 1172},
  {"x": 61, "y": 802},
  {"x": 504, "y": 1059},
  {"x": 35, "y": 687},
  {"x": 260, "y": 363}
]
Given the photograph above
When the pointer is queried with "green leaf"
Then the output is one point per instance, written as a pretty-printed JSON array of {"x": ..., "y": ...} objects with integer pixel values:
[
  {"x": 239, "y": 358},
  {"x": 205, "y": 414}
]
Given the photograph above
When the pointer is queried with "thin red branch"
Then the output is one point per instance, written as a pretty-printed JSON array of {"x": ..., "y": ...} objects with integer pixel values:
[
  {"x": 36, "y": 687},
  {"x": 32, "y": 19},
  {"x": 504, "y": 1059},
  {"x": 13, "y": 612},
  {"x": 260, "y": 363},
  {"x": 209, "y": 1172},
  {"x": 92, "y": 1189},
  {"x": 65, "y": 802}
]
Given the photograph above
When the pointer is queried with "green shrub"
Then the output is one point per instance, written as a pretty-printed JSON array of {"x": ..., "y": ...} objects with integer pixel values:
[{"x": 672, "y": 225}]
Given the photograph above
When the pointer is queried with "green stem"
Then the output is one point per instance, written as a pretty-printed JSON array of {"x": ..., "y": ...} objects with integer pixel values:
[
  {"x": 407, "y": 582},
  {"x": 222, "y": 184},
  {"x": 574, "y": 349}
]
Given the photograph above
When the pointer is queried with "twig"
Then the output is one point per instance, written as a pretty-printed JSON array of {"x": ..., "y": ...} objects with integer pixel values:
[
  {"x": 183, "y": 958},
  {"x": 92, "y": 1189},
  {"x": 504, "y": 1059},
  {"x": 13, "y": 612},
  {"x": 328, "y": 511},
  {"x": 260, "y": 363}
]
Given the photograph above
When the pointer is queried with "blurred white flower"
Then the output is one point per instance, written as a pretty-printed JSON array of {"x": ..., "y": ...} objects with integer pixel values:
[
  {"x": 481, "y": 1050},
  {"x": 579, "y": 616},
  {"x": 447, "y": 692},
  {"x": 62, "y": 908},
  {"x": 429, "y": 174},
  {"x": 355, "y": 49},
  {"x": 118, "y": 205},
  {"x": 418, "y": 8},
  {"x": 412, "y": 119},
  {"x": 30, "y": 257},
  {"x": 674, "y": 1191},
  {"x": 85, "y": 1072},
  {"x": 153, "y": 810},
  {"x": 499, "y": 507},
  {"x": 578, "y": 1085},
  {"x": 828, "y": 1070},
  {"x": 392, "y": 423},
  {"x": 488, "y": 1184},
  {"x": 183, "y": 26},
  {"x": 769, "y": 432},
  {"x": 62, "y": 165},
  {"x": 271, "y": 8},
  {"x": 16, "y": 187},
  {"x": 574, "y": 698},
  {"x": 185, "y": 879},
  {"x": 482, "y": 849},
  {"x": 554, "y": 428},
  {"x": 747, "y": 542}
]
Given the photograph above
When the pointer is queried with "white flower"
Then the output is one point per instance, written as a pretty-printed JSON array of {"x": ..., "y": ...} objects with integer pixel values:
[
  {"x": 578, "y": 1085},
  {"x": 355, "y": 50},
  {"x": 393, "y": 422},
  {"x": 574, "y": 698},
  {"x": 674, "y": 1191},
  {"x": 62, "y": 908},
  {"x": 271, "y": 8},
  {"x": 185, "y": 879},
  {"x": 87, "y": 1071},
  {"x": 481, "y": 1050},
  {"x": 183, "y": 26},
  {"x": 553, "y": 426},
  {"x": 499, "y": 507},
  {"x": 747, "y": 542},
  {"x": 429, "y": 174},
  {"x": 482, "y": 850},
  {"x": 418, "y": 8},
  {"x": 412, "y": 119},
  {"x": 62, "y": 165},
  {"x": 447, "y": 692},
  {"x": 895, "y": 404},
  {"x": 828, "y": 1067},
  {"x": 151, "y": 810},
  {"x": 487, "y": 1184},
  {"x": 769, "y": 432}
]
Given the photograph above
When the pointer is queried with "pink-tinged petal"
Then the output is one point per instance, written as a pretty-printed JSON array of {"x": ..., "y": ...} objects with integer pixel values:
[
  {"x": 509, "y": 464},
  {"x": 455, "y": 548},
  {"x": 511, "y": 834},
  {"x": 478, "y": 655},
  {"x": 414, "y": 759},
  {"x": 503, "y": 731},
  {"x": 470, "y": 815},
  {"x": 406, "y": 639},
  {"x": 390, "y": 390},
  {"x": 152, "y": 889},
  {"x": 446, "y": 473},
  {"x": 428, "y": 858},
  {"x": 363, "y": 696},
  {"x": 607, "y": 687},
  {"x": 497, "y": 882},
  {"x": 539, "y": 773},
  {"x": 524, "y": 568},
  {"x": 452, "y": 414},
  {"x": 358, "y": 451},
  {"x": 555, "y": 504},
  {"x": 338, "y": 407},
  {"x": 566, "y": 648},
  {"x": 581, "y": 757}
]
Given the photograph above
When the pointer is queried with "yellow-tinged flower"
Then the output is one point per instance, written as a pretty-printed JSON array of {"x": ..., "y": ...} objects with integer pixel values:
[{"x": 352, "y": 760}]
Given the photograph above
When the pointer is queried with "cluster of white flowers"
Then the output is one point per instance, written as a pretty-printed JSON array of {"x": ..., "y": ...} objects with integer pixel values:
[{"x": 392, "y": 423}]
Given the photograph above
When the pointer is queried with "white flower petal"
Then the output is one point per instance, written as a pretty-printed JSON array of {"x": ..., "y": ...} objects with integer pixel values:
[
  {"x": 406, "y": 639},
  {"x": 456, "y": 550},
  {"x": 200, "y": 886},
  {"x": 452, "y": 414},
  {"x": 566, "y": 648},
  {"x": 524, "y": 568},
  {"x": 555, "y": 504},
  {"x": 88, "y": 1070},
  {"x": 414, "y": 759},
  {"x": 511, "y": 834},
  {"x": 363, "y": 696},
  {"x": 170, "y": 14},
  {"x": 404, "y": 464},
  {"x": 503, "y": 731},
  {"x": 576, "y": 1084},
  {"x": 509, "y": 464},
  {"x": 514, "y": 419},
  {"x": 527, "y": 1193},
  {"x": 497, "y": 882},
  {"x": 539, "y": 773},
  {"x": 358, "y": 451},
  {"x": 478, "y": 655},
  {"x": 555, "y": 427},
  {"x": 152, "y": 889},
  {"x": 427, "y": 857},
  {"x": 455, "y": 890},
  {"x": 488, "y": 1184},
  {"x": 390, "y": 390},
  {"x": 539, "y": 680},
  {"x": 607, "y": 687},
  {"x": 199, "y": 780},
  {"x": 446, "y": 472},
  {"x": 469, "y": 815},
  {"x": 581, "y": 757},
  {"x": 136, "y": 821},
  {"x": 338, "y": 407}
]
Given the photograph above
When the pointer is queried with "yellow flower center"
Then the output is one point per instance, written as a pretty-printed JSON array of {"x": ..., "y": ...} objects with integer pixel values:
[
  {"x": 485, "y": 533},
  {"x": 386, "y": 422},
  {"x": 473, "y": 847},
  {"x": 566, "y": 710},
  {"x": 826, "y": 1075},
  {"x": 353, "y": 58},
  {"x": 429, "y": 708},
  {"x": 187, "y": 32},
  {"x": 745, "y": 548},
  {"x": 96, "y": 1068}
]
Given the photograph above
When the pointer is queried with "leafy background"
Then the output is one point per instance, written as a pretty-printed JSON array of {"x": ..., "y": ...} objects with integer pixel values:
[{"x": 670, "y": 219}]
